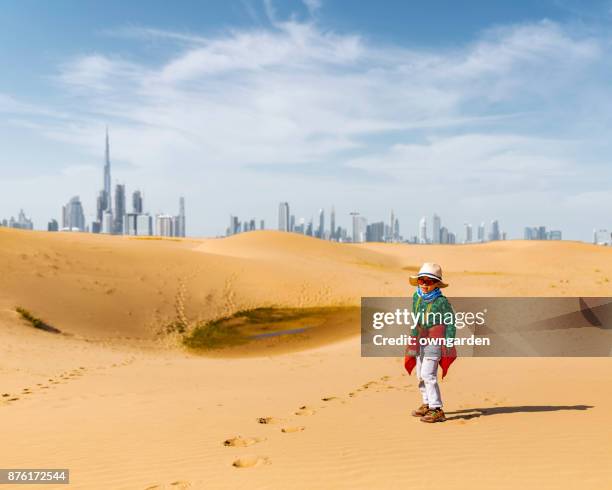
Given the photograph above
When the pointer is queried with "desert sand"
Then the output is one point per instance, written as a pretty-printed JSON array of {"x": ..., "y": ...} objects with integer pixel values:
[{"x": 126, "y": 408}]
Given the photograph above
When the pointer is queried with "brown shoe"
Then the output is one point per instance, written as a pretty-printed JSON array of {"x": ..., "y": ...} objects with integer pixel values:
[
  {"x": 434, "y": 415},
  {"x": 422, "y": 410}
]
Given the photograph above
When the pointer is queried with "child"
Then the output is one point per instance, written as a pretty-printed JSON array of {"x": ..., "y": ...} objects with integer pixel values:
[{"x": 427, "y": 300}]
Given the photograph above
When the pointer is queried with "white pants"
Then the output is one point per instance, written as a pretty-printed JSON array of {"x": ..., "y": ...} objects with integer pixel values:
[{"x": 427, "y": 374}]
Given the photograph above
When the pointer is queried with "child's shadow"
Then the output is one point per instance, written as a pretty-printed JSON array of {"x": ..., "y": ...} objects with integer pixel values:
[{"x": 471, "y": 413}]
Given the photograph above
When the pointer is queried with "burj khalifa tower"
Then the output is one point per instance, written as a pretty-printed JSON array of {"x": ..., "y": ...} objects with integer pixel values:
[{"x": 104, "y": 215}]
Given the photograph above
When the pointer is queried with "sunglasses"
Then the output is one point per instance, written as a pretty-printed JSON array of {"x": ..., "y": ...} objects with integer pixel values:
[{"x": 426, "y": 281}]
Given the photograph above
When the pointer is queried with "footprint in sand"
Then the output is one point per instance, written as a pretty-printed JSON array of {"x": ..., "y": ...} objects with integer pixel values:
[
  {"x": 288, "y": 430},
  {"x": 250, "y": 461},
  {"x": 305, "y": 411},
  {"x": 240, "y": 441},
  {"x": 182, "y": 485},
  {"x": 268, "y": 420},
  {"x": 329, "y": 398}
]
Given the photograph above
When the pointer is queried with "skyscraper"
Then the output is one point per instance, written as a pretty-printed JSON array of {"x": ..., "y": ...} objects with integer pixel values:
[
  {"x": 144, "y": 225},
  {"x": 283, "y": 216},
  {"x": 103, "y": 201},
  {"x": 73, "y": 218},
  {"x": 309, "y": 228},
  {"x": 359, "y": 228},
  {"x": 321, "y": 230},
  {"x": 332, "y": 224},
  {"x": 130, "y": 224},
  {"x": 119, "y": 209},
  {"x": 53, "y": 225},
  {"x": 481, "y": 232},
  {"x": 435, "y": 234},
  {"x": 234, "y": 226},
  {"x": 107, "y": 222},
  {"x": 164, "y": 225},
  {"x": 375, "y": 232},
  {"x": 443, "y": 237},
  {"x": 137, "y": 202},
  {"x": 495, "y": 234},
  {"x": 181, "y": 217},
  {"x": 468, "y": 233},
  {"x": 423, "y": 230}
]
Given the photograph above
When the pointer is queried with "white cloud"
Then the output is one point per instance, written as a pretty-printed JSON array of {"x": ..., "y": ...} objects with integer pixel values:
[
  {"x": 483, "y": 114},
  {"x": 313, "y": 5}
]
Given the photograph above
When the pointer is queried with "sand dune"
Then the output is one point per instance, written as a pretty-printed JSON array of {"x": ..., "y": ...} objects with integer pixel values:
[{"x": 124, "y": 408}]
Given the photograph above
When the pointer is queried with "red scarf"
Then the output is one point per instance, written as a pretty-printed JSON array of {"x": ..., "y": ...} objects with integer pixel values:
[{"x": 437, "y": 331}]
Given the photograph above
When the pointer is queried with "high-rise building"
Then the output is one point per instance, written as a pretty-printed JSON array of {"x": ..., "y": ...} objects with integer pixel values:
[
  {"x": 495, "y": 234},
  {"x": 359, "y": 228},
  {"x": 423, "y": 230},
  {"x": 73, "y": 218},
  {"x": 375, "y": 232},
  {"x": 107, "y": 222},
  {"x": 554, "y": 235},
  {"x": 53, "y": 225},
  {"x": 309, "y": 231},
  {"x": 103, "y": 201},
  {"x": 129, "y": 223},
  {"x": 101, "y": 206},
  {"x": 332, "y": 224},
  {"x": 321, "y": 229},
  {"x": 137, "y": 202},
  {"x": 283, "y": 216},
  {"x": 468, "y": 233},
  {"x": 144, "y": 225},
  {"x": 396, "y": 231},
  {"x": 119, "y": 209},
  {"x": 602, "y": 237},
  {"x": 181, "y": 218},
  {"x": 443, "y": 234},
  {"x": 292, "y": 223},
  {"x": 23, "y": 222},
  {"x": 436, "y": 224},
  {"x": 176, "y": 225},
  {"x": 234, "y": 225},
  {"x": 164, "y": 225},
  {"x": 481, "y": 232},
  {"x": 262, "y": 225}
]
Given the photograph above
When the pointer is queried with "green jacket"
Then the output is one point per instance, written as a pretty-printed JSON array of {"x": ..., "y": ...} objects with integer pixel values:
[{"x": 440, "y": 305}]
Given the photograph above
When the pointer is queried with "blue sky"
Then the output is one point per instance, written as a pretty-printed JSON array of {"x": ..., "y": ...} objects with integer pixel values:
[{"x": 471, "y": 110}]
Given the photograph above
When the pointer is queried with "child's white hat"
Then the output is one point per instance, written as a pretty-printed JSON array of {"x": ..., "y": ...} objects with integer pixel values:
[{"x": 429, "y": 269}]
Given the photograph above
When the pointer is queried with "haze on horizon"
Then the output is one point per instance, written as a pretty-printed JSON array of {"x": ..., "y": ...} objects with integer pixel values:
[{"x": 473, "y": 112}]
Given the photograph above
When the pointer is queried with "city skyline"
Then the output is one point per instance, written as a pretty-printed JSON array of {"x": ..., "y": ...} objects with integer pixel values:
[{"x": 495, "y": 111}]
